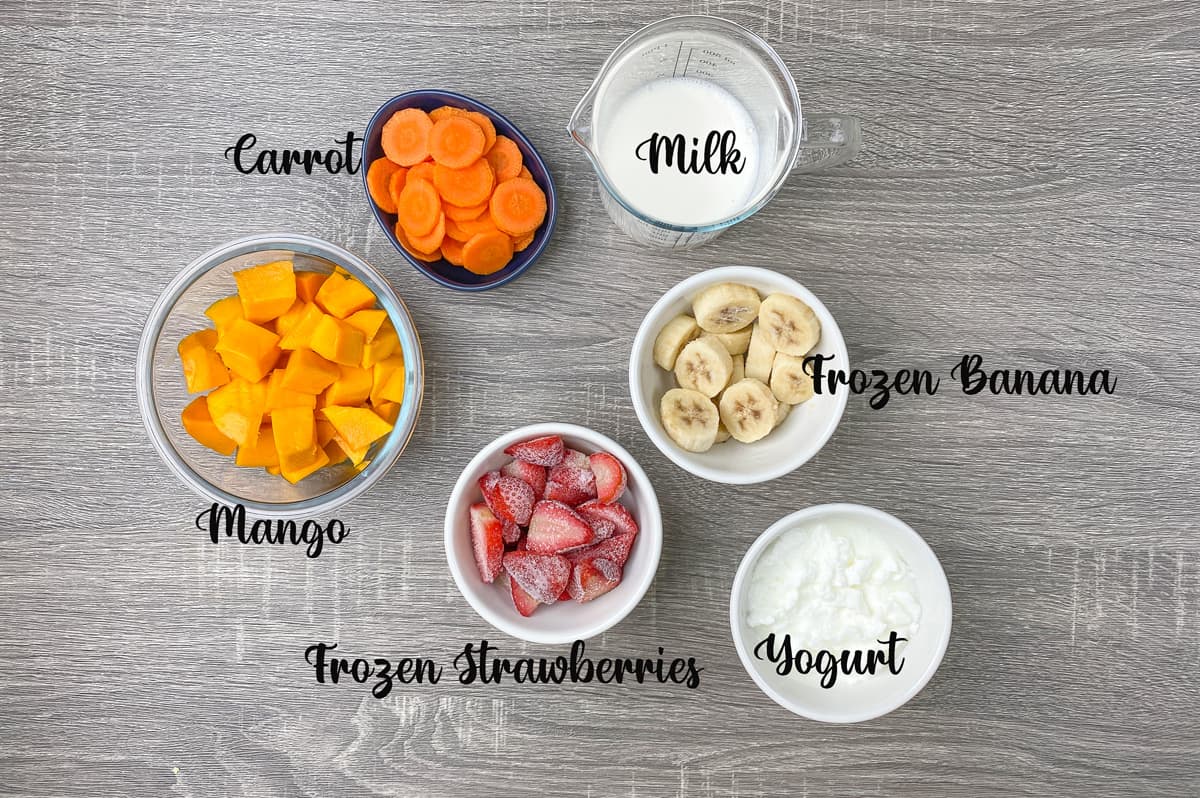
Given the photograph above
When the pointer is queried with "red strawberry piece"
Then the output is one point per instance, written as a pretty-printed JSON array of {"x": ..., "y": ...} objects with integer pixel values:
[
  {"x": 542, "y": 576},
  {"x": 626, "y": 525},
  {"x": 524, "y": 602},
  {"x": 566, "y": 594},
  {"x": 547, "y": 451},
  {"x": 615, "y": 550},
  {"x": 512, "y": 532},
  {"x": 487, "y": 540},
  {"x": 554, "y": 527},
  {"x": 592, "y": 579},
  {"x": 610, "y": 476},
  {"x": 532, "y": 475},
  {"x": 575, "y": 458},
  {"x": 570, "y": 485},
  {"x": 603, "y": 528},
  {"x": 509, "y": 498}
]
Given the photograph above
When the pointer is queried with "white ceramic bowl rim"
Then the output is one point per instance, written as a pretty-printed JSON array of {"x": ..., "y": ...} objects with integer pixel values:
[{"x": 941, "y": 591}]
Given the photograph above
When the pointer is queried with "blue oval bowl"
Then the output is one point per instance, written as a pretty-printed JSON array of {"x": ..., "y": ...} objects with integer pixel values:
[{"x": 442, "y": 271}]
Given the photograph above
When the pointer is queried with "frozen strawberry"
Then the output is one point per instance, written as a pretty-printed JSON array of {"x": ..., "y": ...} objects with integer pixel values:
[
  {"x": 570, "y": 485},
  {"x": 487, "y": 540},
  {"x": 508, "y": 497},
  {"x": 524, "y": 602},
  {"x": 511, "y": 533},
  {"x": 542, "y": 576},
  {"x": 592, "y": 579},
  {"x": 615, "y": 550},
  {"x": 547, "y": 451},
  {"x": 626, "y": 525},
  {"x": 603, "y": 528},
  {"x": 566, "y": 594},
  {"x": 575, "y": 458},
  {"x": 532, "y": 475},
  {"x": 555, "y": 527},
  {"x": 610, "y": 476}
]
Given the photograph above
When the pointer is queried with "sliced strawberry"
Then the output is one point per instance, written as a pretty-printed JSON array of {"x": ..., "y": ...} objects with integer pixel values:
[
  {"x": 626, "y": 525},
  {"x": 487, "y": 540},
  {"x": 566, "y": 594},
  {"x": 569, "y": 484},
  {"x": 554, "y": 527},
  {"x": 592, "y": 579},
  {"x": 615, "y": 550},
  {"x": 610, "y": 476},
  {"x": 575, "y": 458},
  {"x": 524, "y": 602},
  {"x": 542, "y": 576},
  {"x": 512, "y": 532},
  {"x": 603, "y": 528},
  {"x": 547, "y": 451},
  {"x": 532, "y": 475}
]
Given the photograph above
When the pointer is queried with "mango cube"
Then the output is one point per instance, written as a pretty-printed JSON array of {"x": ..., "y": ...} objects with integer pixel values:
[
  {"x": 267, "y": 290},
  {"x": 299, "y": 332},
  {"x": 290, "y": 317},
  {"x": 308, "y": 372},
  {"x": 388, "y": 411},
  {"x": 237, "y": 409},
  {"x": 369, "y": 321},
  {"x": 198, "y": 422},
  {"x": 343, "y": 296},
  {"x": 279, "y": 396},
  {"x": 294, "y": 431},
  {"x": 202, "y": 367},
  {"x": 352, "y": 387},
  {"x": 357, "y": 427},
  {"x": 307, "y": 285},
  {"x": 224, "y": 311},
  {"x": 336, "y": 340},
  {"x": 385, "y": 344},
  {"x": 388, "y": 381},
  {"x": 261, "y": 453},
  {"x": 248, "y": 350}
]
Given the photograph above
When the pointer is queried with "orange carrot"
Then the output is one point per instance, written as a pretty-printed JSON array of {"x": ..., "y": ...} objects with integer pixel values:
[
  {"x": 485, "y": 124},
  {"x": 487, "y": 253},
  {"x": 423, "y": 170},
  {"x": 405, "y": 137},
  {"x": 456, "y": 142},
  {"x": 452, "y": 251},
  {"x": 456, "y": 212},
  {"x": 430, "y": 242},
  {"x": 418, "y": 207},
  {"x": 474, "y": 227},
  {"x": 518, "y": 206},
  {"x": 468, "y": 186},
  {"x": 456, "y": 233},
  {"x": 378, "y": 174},
  {"x": 505, "y": 158},
  {"x": 438, "y": 114},
  {"x": 396, "y": 185},
  {"x": 519, "y": 244},
  {"x": 408, "y": 247},
  {"x": 525, "y": 173}
]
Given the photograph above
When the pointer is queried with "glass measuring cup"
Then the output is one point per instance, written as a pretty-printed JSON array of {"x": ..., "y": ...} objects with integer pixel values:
[{"x": 745, "y": 66}]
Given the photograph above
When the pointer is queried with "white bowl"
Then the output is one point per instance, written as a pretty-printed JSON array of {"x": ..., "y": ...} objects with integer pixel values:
[
  {"x": 876, "y": 695},
  {"x": 565, "y": 621},
  {"x": 803, "y": 432}
]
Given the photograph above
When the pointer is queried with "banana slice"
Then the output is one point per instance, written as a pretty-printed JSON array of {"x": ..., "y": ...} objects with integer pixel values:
[
  {"x": 760, "y": 356},
  {"x": 726, "y": 307},
  {"x": 673, "y": 337},
  {"x": 690, "y": 418},
  {"x": 704, "y": 365},
  {"x": 789, "y": 381},
  {"x": 739, "y": 369},
  {"x": 790, "y": 326},
  {"x": 781, "y": 414},
  {"x": 748, "y": 410},
  {"x": 736, "y": 342},
  {"x": 723, "y": 434}
]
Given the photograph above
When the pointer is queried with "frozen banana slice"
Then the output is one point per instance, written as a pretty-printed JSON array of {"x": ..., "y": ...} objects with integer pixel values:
[
  {"x": 790, "y": 326},
  {"x": 726, "y": 307},
  {"x": 760, "y": 356},
  {"x": 690, "y": 418},
  {"x": 736, "y": 342},
  {"x": 790, "y": 382},
  {"x": 739, "y": 369},
  {"x": 673, "y": 337},
  {"x": 748, "y": 410},
  {"x": 704, "y": 365}
]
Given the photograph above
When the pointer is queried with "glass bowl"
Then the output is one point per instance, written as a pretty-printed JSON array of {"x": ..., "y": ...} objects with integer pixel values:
[{"x": 162, "y": 394}]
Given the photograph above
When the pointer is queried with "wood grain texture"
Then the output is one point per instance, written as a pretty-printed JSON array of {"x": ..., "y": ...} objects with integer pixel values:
[{"x": 1028, "y": 191}]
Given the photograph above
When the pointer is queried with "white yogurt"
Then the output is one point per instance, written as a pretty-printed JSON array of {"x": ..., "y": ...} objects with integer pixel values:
[{"x": 692, "y": 108}]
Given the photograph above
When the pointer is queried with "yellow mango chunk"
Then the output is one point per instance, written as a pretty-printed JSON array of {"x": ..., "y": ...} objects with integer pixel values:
[
  {"x": 279, "y": 396},
  {"x": 336, "y": 340},
  {"x": 224, "y": 311},
  {"x": 325, "y": 431},
  {"x": 294, "y": 431},
  {"x": 237, "y": 409},
  {"x": 388, "y": 411},
  {"x": 299, "y": 334},
  {"x": 357, "y": 427},
  {"x": 369, "y": 321},
  {"x": 351, "y": 388},
  {"x": 343, "y": 296},
  {"x": 199, "y": 424},
  {"x": 308, "y": 372},
  {"x": 267, "y": 290},
  {"x": 387, "y": 383},
  {"x": 335, "y": 452},
  {"x": 385, "y": 344},
  {"x": 248, "y": 350},
  {"x": 260, "y": 454},
  {"x": 274, "y": 471},
  {"x": 290, "y": 317},
  {"x": 202, "y": 367},
  {"x": 307, "y": 285}
]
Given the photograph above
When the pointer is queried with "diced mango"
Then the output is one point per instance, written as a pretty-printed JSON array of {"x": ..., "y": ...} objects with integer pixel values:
[
  {"x": 334, "y": 451},
  {"x": 201, "y": 339},
  {"x": 237, "y": 409},
  {"x": 343, "y": 296},
  {"x": 248, "y": 350},
  {"x": 387, "y": 383},
  {"x": 261, "y": 453},
  {"x": 308, "y": 372},
  {"x": 358, "y": 427},
  {"x": 356, "y": 455},
  {"x": 279, "y": 396},
  {"x": 388, "y": 411},
  {"x": 319, "y": 461},
  {"x": 198, "y": 422},
  {"x": 294, "y": 430},
  {"x": 307, "y": 285},
  {"x": 267, "y": 290},
  {"x": 352, "y": 387},
  {"x": 385, "y": 344},
  {"x": 290, "y": 317},
  {"x": 224, "y": 311},
  {"x": 299, "y": 334},
  {"x": 337, "y": 341},
  {"x": 325, "y": 431},
  {"x": 370, "y": 321},
  {"x": 274, "y": 470},
  {"x": 202, "y": 367}
]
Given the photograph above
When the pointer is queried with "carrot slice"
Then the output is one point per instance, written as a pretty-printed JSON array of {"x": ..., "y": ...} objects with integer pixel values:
[
  {"x": 430, "y": 242},
  {"x": 438, "y": 114},
  {"x": 378, "y": 174},
  {"x": 455, "y": 233},
  {"x": 519, "y": 244},
  {"x": 456, "y": 141},
  {"x": 474, "y": 227},
  {"x": 452, "y": 251},
  {"x": 405, "y": 137},
  {"x": 418, "y": 207},
  {"x": 423, "y": 170},
  {"x": 485, "y": 124},
  {"x": 518, "y": 206},
  {"x": 408, "y": 247},
  {"x": 470, "y": 185},
  {"x": 396, "y": 185},
  {"x": 457, "y": 212},
  {"x": 505, "y": 158},
  {"x": 525, "y": 173},
  {"x": 487, "y": 253}
]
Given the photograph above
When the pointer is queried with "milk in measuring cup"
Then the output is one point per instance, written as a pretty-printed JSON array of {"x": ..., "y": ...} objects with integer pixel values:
[{"x": 694, "y": 108}]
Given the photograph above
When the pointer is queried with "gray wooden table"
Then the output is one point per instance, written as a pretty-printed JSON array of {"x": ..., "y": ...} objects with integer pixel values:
[{"x": 1028, "y": 191}]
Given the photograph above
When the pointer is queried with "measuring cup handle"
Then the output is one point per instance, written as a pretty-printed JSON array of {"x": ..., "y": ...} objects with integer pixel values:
[{"x": 827, "y": 140}]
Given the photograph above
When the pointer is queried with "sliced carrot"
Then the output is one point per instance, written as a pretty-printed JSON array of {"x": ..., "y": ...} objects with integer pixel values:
[
  {"x": 433, "y": 240},
  {"x": 518, "y": 206},
  {"x": 438, "y": 114},
  {"x": 418, "y": 207},
  {"x": 519, "y": 244},
  {"x": 525, "y": 173},
  {"x": 474, "y": 227},
  {"x": 456, "y": 141},
  {"x": 505, "y": 158},
  {"x": 423, "y": 170},
  {"x": 457, "y": 212},
  {"x": 378, "y": 174},
  {"x": 455, "y": 232},
  {"x": 487, "y": 253},
  {"x": 405, "y": 136},
  {"x": 452, "y": 251},
  {"x": 470, "y": 185},
  {"x": 396, "y": 185},
  {"x": 408, "y": 247},
  {"x": 485, "y": 124}
]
